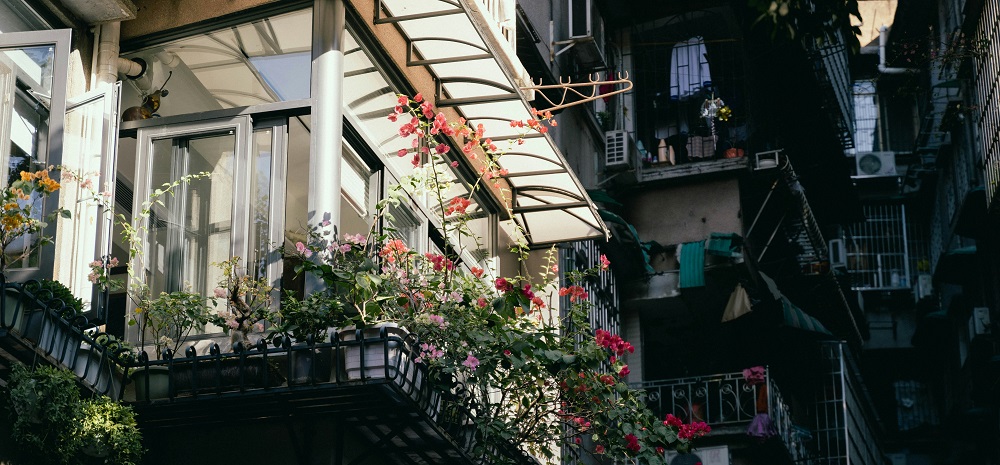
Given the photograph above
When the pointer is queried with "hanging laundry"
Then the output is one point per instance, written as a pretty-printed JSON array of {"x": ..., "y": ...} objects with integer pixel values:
[{"x": 689, "y": 72}]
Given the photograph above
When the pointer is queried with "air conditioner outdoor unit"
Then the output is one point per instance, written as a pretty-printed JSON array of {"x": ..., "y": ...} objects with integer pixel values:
[
  {"x": 586, "y": 33},
  {"x": 872, "y": 164},
  {"x": 716, "y": 455},
  {"x": 617, "y": 149}
]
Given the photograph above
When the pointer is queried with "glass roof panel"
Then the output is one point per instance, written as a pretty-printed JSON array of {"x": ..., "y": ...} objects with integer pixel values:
[{"x": 258, "y": 62}]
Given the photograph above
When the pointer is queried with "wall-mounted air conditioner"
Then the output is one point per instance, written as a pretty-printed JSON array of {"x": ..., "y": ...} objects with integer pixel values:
[
  {"x": 872, "y": 164},
  {"x": 586, "y": 34},
  {"x": 617, "y": 150},
  {"x": 716, "y": 455}
]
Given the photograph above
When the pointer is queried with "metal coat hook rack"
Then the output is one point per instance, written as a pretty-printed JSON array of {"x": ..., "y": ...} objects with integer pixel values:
[{"x": 570, "y": 88}]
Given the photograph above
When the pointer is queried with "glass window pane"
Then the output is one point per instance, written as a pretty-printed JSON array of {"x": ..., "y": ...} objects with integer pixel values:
[
  {"x": 191, "y": 229},
  {"x": 88, "y": 154},
  {"x": 25, "y": 87},
  {"x": 260, "y": 200}
]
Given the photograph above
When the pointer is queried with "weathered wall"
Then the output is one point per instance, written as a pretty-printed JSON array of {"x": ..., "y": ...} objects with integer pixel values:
[
  {"x": 160, "y": 15},
  {"x": 672, "y": 215}
]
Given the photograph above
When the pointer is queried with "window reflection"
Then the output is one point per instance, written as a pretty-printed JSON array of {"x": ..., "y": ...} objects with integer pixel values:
[{"x": 25, "y": 91}]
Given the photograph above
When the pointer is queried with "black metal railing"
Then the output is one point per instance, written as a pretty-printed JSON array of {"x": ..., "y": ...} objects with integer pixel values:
[
  {"x": 383, "y": 355},
  {"x": 36, "y": 323},
  {"x": 33, "y": 323}
]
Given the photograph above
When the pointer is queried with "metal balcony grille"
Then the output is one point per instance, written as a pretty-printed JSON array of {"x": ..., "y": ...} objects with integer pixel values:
[
  {"x": 878, "y": 249},
  {"x": 602, "y": 292},
  {"x": 727, "y": 399},
  {"x": 845, "y": 427}
]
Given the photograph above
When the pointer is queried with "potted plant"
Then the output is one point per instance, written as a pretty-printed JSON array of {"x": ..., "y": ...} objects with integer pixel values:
[
  {"x": 168, "y": 319},
  {"x": 100, "y": 364},
  {"x": 248, "y": 302},
  {"x": 108, "y": 430},
  {"x": 303, "y": 323},
  {"x": 45, "y": 404},
  {"x": 21, "y": 220},
  {"x": 43, "y": 328}
]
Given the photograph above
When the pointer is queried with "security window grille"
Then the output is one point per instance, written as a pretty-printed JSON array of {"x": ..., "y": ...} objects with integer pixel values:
[
  {"x": 878, "y": 254},
  {"x": 845, "y": 424}
]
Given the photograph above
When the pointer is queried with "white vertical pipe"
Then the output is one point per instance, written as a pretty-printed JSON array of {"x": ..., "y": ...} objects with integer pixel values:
[
  {"x": 107, "y": 53},
  {"x": 327, "y": 116}
]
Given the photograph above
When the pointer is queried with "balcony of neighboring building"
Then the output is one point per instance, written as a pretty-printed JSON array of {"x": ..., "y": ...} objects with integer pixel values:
[
  {"x": 737, "y": 409},
  {"x": 811, "y": 405},
  {"x": 691, "y": 109}
]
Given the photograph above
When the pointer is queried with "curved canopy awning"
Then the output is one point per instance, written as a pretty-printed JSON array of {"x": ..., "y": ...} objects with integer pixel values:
[{"x": 452, "y": 39}]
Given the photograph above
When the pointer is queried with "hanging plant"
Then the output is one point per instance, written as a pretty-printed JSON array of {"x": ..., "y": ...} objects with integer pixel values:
[
  {"x": 108, "y": 430},
  {"x": 45, "y": 405},
  {"x": 51, "y": 425}
]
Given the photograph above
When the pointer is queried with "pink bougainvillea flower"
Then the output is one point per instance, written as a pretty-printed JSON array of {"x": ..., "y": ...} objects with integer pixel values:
[
  {"x": 471, "y": 362},
  {"x": 605, "y": 263},
  {"x": 302, "y": 249}
]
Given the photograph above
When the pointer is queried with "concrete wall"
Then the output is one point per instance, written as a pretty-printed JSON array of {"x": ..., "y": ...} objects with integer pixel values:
[
  {"x": 160, "y": 15},
  {"x": 672, "y": 215}
]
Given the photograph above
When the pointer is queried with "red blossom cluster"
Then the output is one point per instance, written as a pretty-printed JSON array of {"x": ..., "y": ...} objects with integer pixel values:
[
  {"x": 393, "y": 250},
  {"x": 503, "y": 285},
  {"x": 574, "y": 292},
  {"x": 457, "y": 205},
  {"x": 613, "y": 342},
  {"x": 632, "y": 443},
  {"x": 693, "y": 430},
  {"x": 440, "y": 262}
]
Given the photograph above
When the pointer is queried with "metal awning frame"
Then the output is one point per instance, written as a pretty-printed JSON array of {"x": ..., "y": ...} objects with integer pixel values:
[{"x": 490, "y": 96}]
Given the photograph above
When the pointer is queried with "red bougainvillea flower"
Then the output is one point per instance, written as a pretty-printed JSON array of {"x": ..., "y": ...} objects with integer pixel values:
[
  {"x": 598, "y": 449},
  {"x": 458, "y": 205},
  {"x": 502, "y": 285},
  {"x": 477, "y": 272},
  {"x": 671, "y": 420},
  {"x": 633, "y": 443},
  {"x": 393, "y": 250},
  {"x": 574, "y": 292}
]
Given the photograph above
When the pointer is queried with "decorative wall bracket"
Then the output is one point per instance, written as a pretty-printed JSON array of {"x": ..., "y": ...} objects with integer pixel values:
[{"x": 587, "y": 91}]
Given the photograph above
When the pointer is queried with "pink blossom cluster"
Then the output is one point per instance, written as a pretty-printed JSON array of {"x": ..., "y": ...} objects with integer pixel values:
[
  {"x": 471, "y": 362},
  {"x": 428, "y": 352},
  {"x": 503, "y": 285},
  {"x": 394, "y": 250},
  {"x": 99, "y": 269},
  {"x": 457, "y": 206}
]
